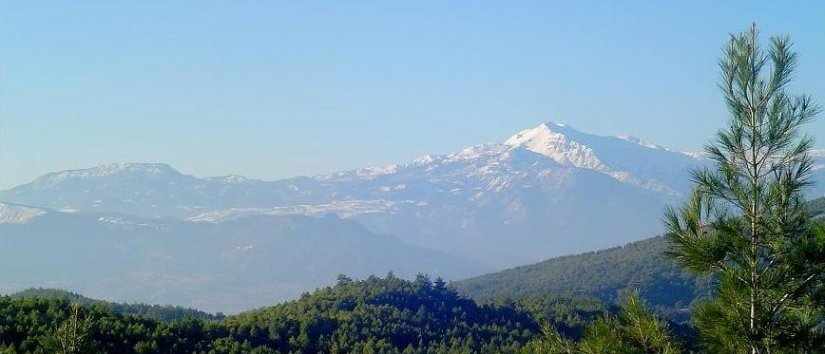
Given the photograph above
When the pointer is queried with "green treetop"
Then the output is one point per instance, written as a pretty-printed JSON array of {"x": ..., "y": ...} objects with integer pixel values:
[{"x": 746, "y": 225}]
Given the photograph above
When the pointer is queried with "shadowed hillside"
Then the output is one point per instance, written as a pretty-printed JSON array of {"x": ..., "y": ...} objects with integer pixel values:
[{"x": 604, "y": 275}]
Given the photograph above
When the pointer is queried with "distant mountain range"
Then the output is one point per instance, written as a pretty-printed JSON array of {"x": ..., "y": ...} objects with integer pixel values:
[
  {"x": 544, "y": 192},
  {"x": 534, "y": 192}
]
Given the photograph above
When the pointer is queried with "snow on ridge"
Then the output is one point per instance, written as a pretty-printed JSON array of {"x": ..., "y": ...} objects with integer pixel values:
[
  {"x": 557, "y": 142},
  {"x": 372, "y": 172},
  {"x": 557, "y": 146},
  {"x": 423, "y": 160},
  {"x": 475, "y": 152},
  {"x": 110, "y": 170},
  {"x": 638, "y": 141},
  {"x": 427, "y": 162},
  {"x": 128, "y": 223},
  {"x": 344, "y": 209},
  {"x": 366, "y": 173},
  {"x": 231, "y": 179},
  {"x": 16, "y": 214},
  {"x": 698, "y": 155},
  {"x": 398, "y": 187}
]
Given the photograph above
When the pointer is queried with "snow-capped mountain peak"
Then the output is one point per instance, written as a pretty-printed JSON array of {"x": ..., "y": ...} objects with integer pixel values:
[
  {"x": 549, "y": 177},
  {"x": 624, "y": 158}
]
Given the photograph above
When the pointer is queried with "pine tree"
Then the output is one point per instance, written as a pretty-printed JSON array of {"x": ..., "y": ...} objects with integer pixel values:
[
  {"x": 72, "y": 336},
  {"x": 746, "y": 225},
  {"x": 634, "y": 331}
]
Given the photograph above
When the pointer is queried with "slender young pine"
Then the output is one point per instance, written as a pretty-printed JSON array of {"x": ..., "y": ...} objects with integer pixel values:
[
  {"x": 636, "y": 330},
  {"x": 746, "y": 224},
  {"x": 72, "y": 336}
]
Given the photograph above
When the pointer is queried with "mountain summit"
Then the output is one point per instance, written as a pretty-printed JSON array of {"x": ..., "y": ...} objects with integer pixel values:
[
  {"x": 549, "y": 139},
  {"x": 627, "y": 159}
]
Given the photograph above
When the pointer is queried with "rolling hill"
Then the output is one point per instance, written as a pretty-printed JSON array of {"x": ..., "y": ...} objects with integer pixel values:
[
  {"x": 374, "y": 315},
  {"x": 163, "y": 313},
  {"x": 603, "y": 275}
]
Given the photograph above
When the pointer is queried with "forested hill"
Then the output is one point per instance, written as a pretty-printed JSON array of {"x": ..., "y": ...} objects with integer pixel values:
[
  {"x": 376, "y": 315},
  {"x": 604, "y": 274},
  {"x": 388, "y": 314},
  {"x": 165, "y": 313}
]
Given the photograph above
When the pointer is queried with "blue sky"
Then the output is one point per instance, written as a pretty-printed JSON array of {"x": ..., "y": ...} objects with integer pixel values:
[{"x": 274, "y": 89}]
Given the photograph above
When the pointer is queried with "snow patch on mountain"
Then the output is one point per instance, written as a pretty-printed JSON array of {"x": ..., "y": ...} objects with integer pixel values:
[
  {"x": 641, "y": 142},
  {"x": 366, "y": 173},
  {"x": 343, "y": 209},
  {"x": 698, "y": 154},
  {"x": 126, "y": 222},
  {"x": 17, "y": 214},
  {"x": 231, "y": 179},
  {"x": 557, "y": 141},
  {"x": 107, "y": 170}
]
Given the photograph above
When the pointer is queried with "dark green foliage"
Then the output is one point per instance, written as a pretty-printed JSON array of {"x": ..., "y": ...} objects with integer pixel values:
[
  {"x": 746, "y": 224},
  {"x": 33, "y": 325},
  {"x": 815, "y": 208},
  {"x": 604, "y": 275},
  {"x": 164, "y": 313},
  {"x": 390, "y": 313},
  {"x": 377, "y": 315},
  {"x": 568, "y": 316},
  {"x": 635, "y": 330}
]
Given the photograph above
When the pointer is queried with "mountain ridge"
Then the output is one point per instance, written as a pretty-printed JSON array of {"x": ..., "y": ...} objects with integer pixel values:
[{"x": 533, "y": 191}]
